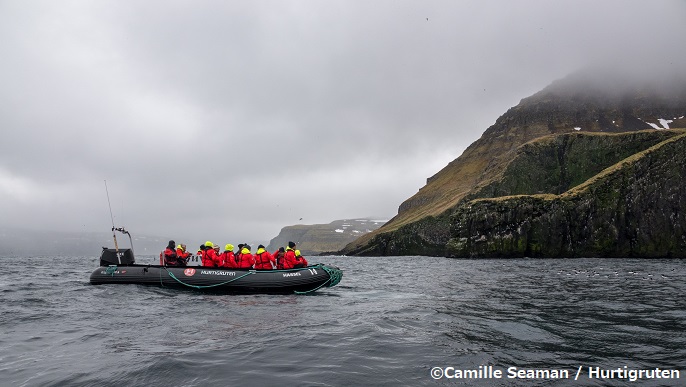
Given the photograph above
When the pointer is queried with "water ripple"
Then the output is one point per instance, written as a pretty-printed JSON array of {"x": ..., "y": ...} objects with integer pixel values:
[{"x": 388, "y": 323}]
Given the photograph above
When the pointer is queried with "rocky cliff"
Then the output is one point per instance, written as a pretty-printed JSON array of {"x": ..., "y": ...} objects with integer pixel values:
[
  {"x": 634, "y": 208},
  {"x": 506, "y": 160}
]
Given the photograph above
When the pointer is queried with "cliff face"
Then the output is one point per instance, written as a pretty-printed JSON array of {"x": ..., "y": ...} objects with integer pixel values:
[
  {"x": 635, "y": 208},
  {"x": 582, "y": 104},
  {"x": 554, "y": 164}
]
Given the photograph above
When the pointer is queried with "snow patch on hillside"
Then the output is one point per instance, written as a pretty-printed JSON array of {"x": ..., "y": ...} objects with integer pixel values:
[{"x": 665, "y": 123}]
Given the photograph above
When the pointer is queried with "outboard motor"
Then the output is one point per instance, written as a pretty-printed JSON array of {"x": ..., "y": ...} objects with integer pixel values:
[{"x": 114, "y": 257}]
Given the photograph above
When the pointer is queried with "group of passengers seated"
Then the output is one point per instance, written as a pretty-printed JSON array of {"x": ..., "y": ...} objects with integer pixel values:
[{"x": 283, "y": 258}]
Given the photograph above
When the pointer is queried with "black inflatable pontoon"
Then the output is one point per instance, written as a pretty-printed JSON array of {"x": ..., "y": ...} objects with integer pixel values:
[{"x": 119, "y": 267}]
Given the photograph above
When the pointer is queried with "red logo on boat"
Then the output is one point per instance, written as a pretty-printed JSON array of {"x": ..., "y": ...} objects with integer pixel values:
[{"x": 189, "y": 272}]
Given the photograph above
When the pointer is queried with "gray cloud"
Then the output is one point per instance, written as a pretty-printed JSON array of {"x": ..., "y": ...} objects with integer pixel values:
[{"x": 229, "y": 120}]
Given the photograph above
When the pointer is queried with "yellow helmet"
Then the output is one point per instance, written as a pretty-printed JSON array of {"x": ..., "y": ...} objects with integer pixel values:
[
  {"x": 297, "y": 253},
  {"x": 228, "y": 247},
  {"x": 209, "y": 244},
  {"x": 178, "y": 247}
]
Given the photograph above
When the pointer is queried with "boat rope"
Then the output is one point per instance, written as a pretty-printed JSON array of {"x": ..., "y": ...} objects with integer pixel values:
[
  {"x": 335, "y": 276},
  {"x": 206, "y": 286}
]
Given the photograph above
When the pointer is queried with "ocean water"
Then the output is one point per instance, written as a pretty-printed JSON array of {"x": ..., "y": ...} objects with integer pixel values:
[{"x": 391, "y": 321}]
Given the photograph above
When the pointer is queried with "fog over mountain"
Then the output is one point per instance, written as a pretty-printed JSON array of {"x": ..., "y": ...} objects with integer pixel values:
[{"x": 230, "y": 120}]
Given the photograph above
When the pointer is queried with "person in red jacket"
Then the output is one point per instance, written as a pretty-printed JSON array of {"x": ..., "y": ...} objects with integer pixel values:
[
  {"x": 289, "y": 260},
  {"x": 170, "y": 257},
  {"x": 278, "y": 257},
  {"x": 209, "y": 256},
  {"x": 264, "y": 260},
  {"x": 301, "y": 261},
  {"x": 229, "y": 258},
  {"x": 182, "y": 254},
  {"x": 245, "y": 259},
  {"x": 238, "y": 254}
]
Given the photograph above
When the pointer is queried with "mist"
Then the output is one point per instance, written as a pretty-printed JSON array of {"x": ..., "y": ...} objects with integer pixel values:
[{"x": 229, "y": 120}]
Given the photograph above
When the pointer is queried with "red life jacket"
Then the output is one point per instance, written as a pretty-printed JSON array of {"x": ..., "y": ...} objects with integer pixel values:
[
  {"x": 264, "y": 260},
  {"x": 170, "y": 258},
  {"x": 245, "y": 260},
  {"x": 210, "y": 258},
  {"x": 230, "y": 260},
  {"x": 289, "y": 260},
  {"x": 278, "y": 258},
  {"x": 182, "y": 254},
  {"x": 302, "y": 260}
]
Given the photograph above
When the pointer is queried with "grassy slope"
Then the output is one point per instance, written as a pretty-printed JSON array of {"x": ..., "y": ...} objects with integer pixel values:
[
  {"x": 600, "y": 192},
  {"x": 485, "y": 160},
  {"x": 485, "y": 157}
]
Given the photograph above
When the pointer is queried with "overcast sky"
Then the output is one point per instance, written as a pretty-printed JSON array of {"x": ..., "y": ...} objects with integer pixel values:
[{"x": 227, "y": 120}]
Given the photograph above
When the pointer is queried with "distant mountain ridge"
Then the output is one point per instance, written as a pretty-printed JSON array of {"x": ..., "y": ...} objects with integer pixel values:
[
  {"x": 584, "y": 103},
  {"x": 315, "y": 239}
]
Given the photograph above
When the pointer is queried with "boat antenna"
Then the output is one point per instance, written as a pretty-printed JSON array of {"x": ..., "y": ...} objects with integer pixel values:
[{"x": 114, "y": 235}]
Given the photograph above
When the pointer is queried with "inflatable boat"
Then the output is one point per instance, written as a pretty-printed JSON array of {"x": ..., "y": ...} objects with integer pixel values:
[{"x": 117, "y": 266}]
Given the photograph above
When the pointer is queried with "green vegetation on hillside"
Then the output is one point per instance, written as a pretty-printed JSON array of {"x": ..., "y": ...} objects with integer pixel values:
[
  {"x": 633, "y": 208},
  {"x": 549, "y": 143}
]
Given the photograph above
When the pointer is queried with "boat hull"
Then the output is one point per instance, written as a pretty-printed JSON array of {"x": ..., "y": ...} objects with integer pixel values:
[{"x": 303, "y": 280}]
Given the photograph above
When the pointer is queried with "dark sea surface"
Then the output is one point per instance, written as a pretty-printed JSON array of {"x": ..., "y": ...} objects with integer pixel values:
[{"x": 389, "y": 322}]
